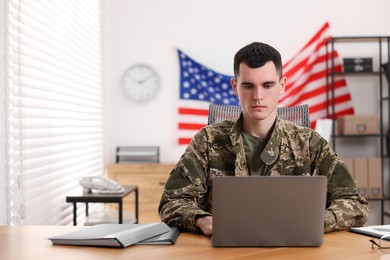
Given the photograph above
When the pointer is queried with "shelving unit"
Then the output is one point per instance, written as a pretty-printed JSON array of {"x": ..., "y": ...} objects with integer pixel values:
[{"x": 382, "y": 55}]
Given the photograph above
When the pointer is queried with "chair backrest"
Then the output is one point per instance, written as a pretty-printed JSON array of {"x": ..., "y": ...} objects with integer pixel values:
[{"x": 297, "y": 114}]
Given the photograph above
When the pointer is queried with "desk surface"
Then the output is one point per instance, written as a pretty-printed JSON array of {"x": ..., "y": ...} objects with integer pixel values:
[{"x": 28, "y": 242}]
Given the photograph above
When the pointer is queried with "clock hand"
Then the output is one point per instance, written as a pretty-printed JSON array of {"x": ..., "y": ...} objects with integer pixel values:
[
  {"x": 138, "y": 81},
  {"x": 142, "y": 81}
]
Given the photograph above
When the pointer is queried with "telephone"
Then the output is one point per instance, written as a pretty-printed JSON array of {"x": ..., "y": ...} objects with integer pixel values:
[{"x": 100, "y": 185}]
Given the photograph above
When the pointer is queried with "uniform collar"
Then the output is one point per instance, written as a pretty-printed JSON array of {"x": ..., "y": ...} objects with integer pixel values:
[{"x": 271, "y": 151}]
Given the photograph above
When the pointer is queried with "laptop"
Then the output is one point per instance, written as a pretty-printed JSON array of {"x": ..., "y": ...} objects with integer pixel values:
[{"x": 265, "y": 211}]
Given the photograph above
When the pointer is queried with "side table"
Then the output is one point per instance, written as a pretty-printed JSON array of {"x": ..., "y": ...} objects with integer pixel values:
[{"x": 104, "y": 198}]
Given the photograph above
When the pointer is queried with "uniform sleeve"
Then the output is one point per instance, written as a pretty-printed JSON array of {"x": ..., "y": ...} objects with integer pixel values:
[
  {"x": 345, "y": 207},
  {"x": 185, "y": 188}
]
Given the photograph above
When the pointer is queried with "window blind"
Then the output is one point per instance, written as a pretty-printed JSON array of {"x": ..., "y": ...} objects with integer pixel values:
[
  {"x": 53, "y": 124},
  {"x": 2, "y": 138}
]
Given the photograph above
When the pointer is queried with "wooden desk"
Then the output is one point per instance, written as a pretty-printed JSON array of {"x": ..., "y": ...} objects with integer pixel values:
[
  {"x": 104, "y": 198},
  {"x": 28, "y": 242}
]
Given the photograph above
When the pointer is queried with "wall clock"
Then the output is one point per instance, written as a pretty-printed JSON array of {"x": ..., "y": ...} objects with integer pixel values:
[{"x": 140, "y": 82}]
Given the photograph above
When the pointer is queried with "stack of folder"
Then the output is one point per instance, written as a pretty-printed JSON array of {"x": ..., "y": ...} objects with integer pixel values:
[{"x": 119, "y": 235}]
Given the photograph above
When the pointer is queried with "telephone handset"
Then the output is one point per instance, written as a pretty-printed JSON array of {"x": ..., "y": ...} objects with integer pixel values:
[{"x": 100, "y": 185}]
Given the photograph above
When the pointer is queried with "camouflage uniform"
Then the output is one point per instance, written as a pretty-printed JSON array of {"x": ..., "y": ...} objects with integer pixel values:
[{"x": 217, "y": 150}]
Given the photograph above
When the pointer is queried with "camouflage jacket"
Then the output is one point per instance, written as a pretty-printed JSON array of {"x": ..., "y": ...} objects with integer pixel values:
[{"x": 217, "y": 150}]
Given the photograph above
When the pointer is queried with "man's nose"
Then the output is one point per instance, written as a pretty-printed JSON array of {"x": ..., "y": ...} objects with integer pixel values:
[{"x": 257, "y": 93}]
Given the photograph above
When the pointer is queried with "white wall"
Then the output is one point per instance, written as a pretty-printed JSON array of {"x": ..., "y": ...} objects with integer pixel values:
[{"x": 148, "y": 31}]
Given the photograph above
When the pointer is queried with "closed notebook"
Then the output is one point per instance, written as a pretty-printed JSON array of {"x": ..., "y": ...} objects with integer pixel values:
[
  {"x": 379, "y": 231},
  {"x": 114, "y": 235}
]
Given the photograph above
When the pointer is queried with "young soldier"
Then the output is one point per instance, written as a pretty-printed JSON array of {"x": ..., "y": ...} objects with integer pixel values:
[{"x": 258, "y": 143}]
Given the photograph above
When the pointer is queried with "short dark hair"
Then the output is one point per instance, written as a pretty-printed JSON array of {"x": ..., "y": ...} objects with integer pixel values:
[{"x": 256, "y": 55}]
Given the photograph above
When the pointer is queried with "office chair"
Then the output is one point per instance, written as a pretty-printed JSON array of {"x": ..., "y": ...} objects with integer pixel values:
[{"x": 297, "y": 114}]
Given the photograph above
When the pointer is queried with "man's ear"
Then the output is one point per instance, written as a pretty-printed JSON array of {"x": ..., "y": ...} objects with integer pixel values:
[
  {"x": 233, "y": 82},
  {"x": 283, "y": 82}
]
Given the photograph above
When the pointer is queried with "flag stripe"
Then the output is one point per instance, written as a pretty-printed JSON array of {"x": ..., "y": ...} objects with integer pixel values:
[
  {"x": 190, "y": 126},
  {"x": 322, "y": 105},
  {"x": 184, "y": 141},
  {"x": 193, "y": 111}
]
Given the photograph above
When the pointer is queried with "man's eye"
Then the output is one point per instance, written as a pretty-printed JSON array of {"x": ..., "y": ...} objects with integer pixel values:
[
  {"x": 268, "y": 85},
  {"x": 247, "y": 86}
]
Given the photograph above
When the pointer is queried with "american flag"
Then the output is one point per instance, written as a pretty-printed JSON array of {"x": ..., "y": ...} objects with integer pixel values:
[
  {"x": 306, "y": 84},
  {"x": 306, "y": 79},
  {"x": 199, "y": 86}
]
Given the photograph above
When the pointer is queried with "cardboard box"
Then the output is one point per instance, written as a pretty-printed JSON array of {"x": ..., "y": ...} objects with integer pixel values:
[
  {"x": 360, "y": 166},
  {"x": 356, "y": 125},
  {"x": 374, "y": 178}
]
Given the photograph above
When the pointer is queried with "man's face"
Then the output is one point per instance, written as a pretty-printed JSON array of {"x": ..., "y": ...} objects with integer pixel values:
[{"x": 258, "y": 90}]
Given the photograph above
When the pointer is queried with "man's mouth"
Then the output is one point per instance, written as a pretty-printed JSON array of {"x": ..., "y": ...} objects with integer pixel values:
[{"x": 258, "y": 106}]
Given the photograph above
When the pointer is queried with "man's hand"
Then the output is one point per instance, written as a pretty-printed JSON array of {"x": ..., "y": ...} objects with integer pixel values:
[{"x": 205, "y": 224}]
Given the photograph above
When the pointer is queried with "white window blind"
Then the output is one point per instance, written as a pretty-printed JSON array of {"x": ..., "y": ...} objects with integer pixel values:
[
  {"x": 53, "y": 106},
  {"x": 2, "y": 138}
]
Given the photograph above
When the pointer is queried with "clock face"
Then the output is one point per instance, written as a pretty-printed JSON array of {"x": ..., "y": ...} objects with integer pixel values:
[{"x": 140, "y": 82}]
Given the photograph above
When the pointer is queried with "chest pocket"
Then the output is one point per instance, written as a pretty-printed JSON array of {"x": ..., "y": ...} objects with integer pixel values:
[
  {"x": 303, "y": 170},
  {"x": 281, "y": 169},
  {"x": 221, "y": 169}
]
